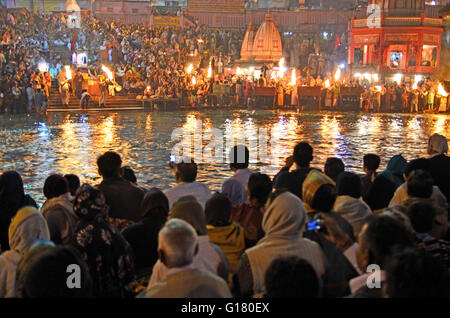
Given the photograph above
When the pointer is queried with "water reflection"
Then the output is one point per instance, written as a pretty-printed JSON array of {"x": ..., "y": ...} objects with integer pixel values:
[{"x": 70, "y": 143}]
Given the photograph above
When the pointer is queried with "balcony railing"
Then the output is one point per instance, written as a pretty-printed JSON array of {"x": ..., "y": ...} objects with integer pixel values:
[{"x": 397, "y": 21}]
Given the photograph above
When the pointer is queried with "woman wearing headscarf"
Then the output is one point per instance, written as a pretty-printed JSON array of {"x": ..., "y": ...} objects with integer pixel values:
[
  {"x": 395, "y": 169},
  {"x": 283, "y": 224},
  {"x": 58, "y": 209},
  {"x": 209, "y": 256},
  {"x": 235, "y": 191},
  {"x": 26, "y": 227},
  {"x": 143, "y": 235},
  {"x": 12, "y": 198},
  {"x": 318, "y": 192},
  {"x": 107, "y": 254},
  {"x": 229, "y": 236},
  {"x": 349, "y": 203}
]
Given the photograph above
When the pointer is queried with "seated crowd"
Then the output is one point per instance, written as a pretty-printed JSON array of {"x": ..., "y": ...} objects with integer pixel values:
[{"x": 304, "y": 233}]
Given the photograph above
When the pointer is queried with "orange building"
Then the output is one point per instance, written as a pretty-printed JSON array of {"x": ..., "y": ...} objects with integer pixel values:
[
  {"x": 263, "y": 46},
  {"x": 395, "y": 40}
]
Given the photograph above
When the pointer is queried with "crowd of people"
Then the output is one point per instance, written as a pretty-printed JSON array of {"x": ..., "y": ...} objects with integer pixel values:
[
  {"x": 166, "y": 62},
  {"x": 306, "y": 232}
]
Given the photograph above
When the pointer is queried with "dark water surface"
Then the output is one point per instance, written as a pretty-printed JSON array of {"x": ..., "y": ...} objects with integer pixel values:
[{"x": 37, "y": 145}]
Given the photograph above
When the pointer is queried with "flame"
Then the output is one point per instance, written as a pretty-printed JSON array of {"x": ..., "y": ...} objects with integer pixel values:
[
  {"x": 282, "y": 67},
  {"x": 108, "y": 72},
  {"x": 68, "y": 72},
  {"x": 417, "y": 79},
  {"x": 337, "y": 75},
  {"x": 209, "y": 71},
  {"x": 441, "y": 90},
  {"x": 293, "y": 77},
  {"x": 189, "y": 69},
  {"x": 327, "y": 83},
  {"x": 194, "y": 81}
]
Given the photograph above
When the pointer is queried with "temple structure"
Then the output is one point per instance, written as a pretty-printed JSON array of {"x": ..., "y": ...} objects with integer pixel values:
[
  {"x": 395, "y": 40},
  {"x": 263, "y": 46}
]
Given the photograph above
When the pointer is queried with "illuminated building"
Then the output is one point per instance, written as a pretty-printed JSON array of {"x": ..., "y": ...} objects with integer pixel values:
[
  {"x": 395, "y": 37},
  {"x": 265, "y": 46}
]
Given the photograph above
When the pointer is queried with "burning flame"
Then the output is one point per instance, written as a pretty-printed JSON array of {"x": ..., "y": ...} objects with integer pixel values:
[
  {"x": 293, "y": 77},
  {"x": 441, "y": 90},
  {"x": 189, "y": 69},
  {"x": 194, "y": 81},
  {"x": 327, "y": 83},
  {"x": 108, "y": 72},
  {"x": 209, "y": 71},
  {"x": 417, "y": 79},
  {"x": 282, "y": 68},
  {"x": 68, "y": 72},
  {"x": 337, "y": 75}
]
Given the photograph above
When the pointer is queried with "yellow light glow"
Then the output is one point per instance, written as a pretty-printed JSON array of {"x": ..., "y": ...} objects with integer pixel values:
[
  {"x": 293, "y": 77},
  {"x": 398, "y": 78},
  {"x": 282, "y": 67},
  {"x": 367, "y": 76},
  {"x": 378, "y": 87},
  {"x": 209, "y": 71},
  {"x": 417, "y": 79},
  {"x": 441, "y": 90},
  {"x": 68, "y": 72},
  {"x": 189, "y": 69},
  {"x": 194, "y": 81},
  {"x": 337, "y": 75},
  {"x": 108, "y": 72},
  {"x": 375, "y": 77},
  {"x": 327, "y": 83},
  {"x": 239, "y": 71}
]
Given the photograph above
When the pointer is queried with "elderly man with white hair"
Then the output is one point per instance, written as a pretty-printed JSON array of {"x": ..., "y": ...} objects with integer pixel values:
[
  {"x": 439, "y": 163},
  {"x": 177, "y": 246}
]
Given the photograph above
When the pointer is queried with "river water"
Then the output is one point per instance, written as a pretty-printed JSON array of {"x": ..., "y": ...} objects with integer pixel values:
[{"x": 37, "y": 145}]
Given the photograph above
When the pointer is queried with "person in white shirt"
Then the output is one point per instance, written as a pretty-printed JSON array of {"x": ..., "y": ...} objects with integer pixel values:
[
  {"x": 239, "y": 161},
  {"x": 185, "y": 175}
]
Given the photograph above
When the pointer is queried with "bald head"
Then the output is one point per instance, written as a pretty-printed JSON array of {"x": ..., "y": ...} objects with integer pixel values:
[{"x": 177, "y": 243}]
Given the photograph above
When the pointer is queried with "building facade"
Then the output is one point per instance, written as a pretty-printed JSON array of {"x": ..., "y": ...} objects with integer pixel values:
[{"x": 395, "y": 39}]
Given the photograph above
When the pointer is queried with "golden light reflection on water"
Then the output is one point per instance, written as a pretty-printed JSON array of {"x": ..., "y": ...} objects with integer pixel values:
[
  {"x": 440, "y": 122},
  {"x": 70, "y": 143}
]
